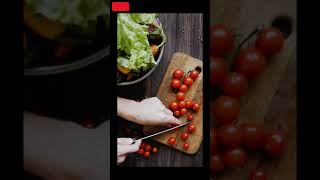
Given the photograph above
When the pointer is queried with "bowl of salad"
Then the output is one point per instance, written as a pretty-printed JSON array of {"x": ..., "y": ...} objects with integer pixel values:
[
  {"x": 61, "y": 36},
  {"x": 140, "y": 46}
]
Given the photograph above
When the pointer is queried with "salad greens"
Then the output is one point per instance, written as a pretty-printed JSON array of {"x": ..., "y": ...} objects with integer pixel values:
[
  {"x": 75, "y": 12},
  {"x": 132, "y": 41}
]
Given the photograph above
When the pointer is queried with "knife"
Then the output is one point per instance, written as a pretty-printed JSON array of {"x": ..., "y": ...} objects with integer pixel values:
[{"x": 160, "y": 132}]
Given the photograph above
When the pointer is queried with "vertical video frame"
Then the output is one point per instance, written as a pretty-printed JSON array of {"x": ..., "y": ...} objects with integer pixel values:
[{"x": 160, "y": 89}]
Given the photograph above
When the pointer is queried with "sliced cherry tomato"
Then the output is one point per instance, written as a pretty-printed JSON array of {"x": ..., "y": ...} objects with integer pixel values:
[
  {"x": 141, "y": 151},
  {"x": 188, "y": 81},
  {"x": 174, "y": 106},
  {"x": 190, "y": 117},
  {"x": 191, "y": 128},
  {"x": 194, "y": 74},
  {"x": 147, "y": 154},
  {"x": 172, "y": 141},
  {"x": 275, "y": 144},
  {"x": 183, "y": 111},
  {"x": 180, "y": 96},
  {"x": 184, "y": 136},
  {"x": 214, "y": 144},
  {"x": 176, "y": 113},
  {"x": 270, "y": 41},
  {"x": 189, "y": 104},
  {"x": 250, "y": 62},
  {"x": 230, "y": 136},
  {"x": 253, "y": 135},
  {"x": 221, "y": 40},
  {"x": 177, "y": 74},
  {"x": 218, "y": 70},
  {"x": 196, "y": 107},
  {"x": 183, "y": 88},
  {"x": 182, "y": 104},
  {"x": 235, "y": 157},
  {"x": 148, "y": 147},
  {"x": 226, "y": 109},
  {"x": 185, "y": 146},
  {"x": 217, "y": 164},
  {"x": 235, "y": 85},
  {"x": 154, "y": 149},
  {"x": 257, "y": 174},
  {"x": 175, "y": 84}
]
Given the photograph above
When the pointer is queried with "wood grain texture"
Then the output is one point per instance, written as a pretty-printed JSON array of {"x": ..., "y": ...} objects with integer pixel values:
[
  {"x": 184, "y": 34},
  {"x": 195, "y": 94},
  {"x": 271, "y": 98}
]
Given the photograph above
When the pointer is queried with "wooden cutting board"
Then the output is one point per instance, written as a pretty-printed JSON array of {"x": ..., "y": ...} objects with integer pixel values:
[
  {"x": 271, "y": 98},
  {"x": 195, "y": 93}
]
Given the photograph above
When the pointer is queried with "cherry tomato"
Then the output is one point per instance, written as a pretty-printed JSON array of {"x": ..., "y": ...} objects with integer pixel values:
[
  {"x": 226, "y": 109},
  {"x": 190, "y": 117},
  {"x": 148, "y": 147},
  {"x": 147, "y": 154},
  {"x": 191, "y": 128},
  {"x": 218, "y": 70},
  {"x": 185, "y": 146},
  {"x": 188, "y": 81},
  {"x": 196, "y": 107},
  {"x": 189, "y": 104},
  {"x": 183, "y": 111},
  {"x": 270, "y": 41},
  {"x": 183, "y": 88},
  {"x": 180, "y": 96},
  {"x": 181, "y": 104},
  {"x": 143, "y": 145},
  {"x": 235, "y": 85},
  {"x": 214, "y": 144},
  {"x": 253, "y": 135},
  {"x": 174, "y": 106},
  {"x": 221, "y": 40},
  {"x": 154, "y": 149},
  {"x": 141, "y": 151},
  {"x": 175, "y": 84},
  {"x": 184, "y": 136},
  {"x": 216, "y": 164},
  {"x": 176, "y": 113},
  {"x": 250, "y": 62},
  {"x": 194, "y": 74},
  {"x": 177, "y": 74},
  {"x": 230, "y": 136},
  {"x": 172, "y": 141},
  {"x": 275, "y": 144},
  {"x": 235, "y": 157},
  {"x": 257, "y": 174}
]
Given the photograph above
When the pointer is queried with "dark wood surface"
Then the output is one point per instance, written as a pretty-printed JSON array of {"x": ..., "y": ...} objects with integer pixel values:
[{"x": 184, "y": 34}]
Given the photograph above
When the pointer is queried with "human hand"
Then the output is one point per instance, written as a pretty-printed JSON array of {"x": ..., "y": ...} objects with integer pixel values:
[
  {"x": 125, "y": 146},
  {"x": 151, "y": 111}
]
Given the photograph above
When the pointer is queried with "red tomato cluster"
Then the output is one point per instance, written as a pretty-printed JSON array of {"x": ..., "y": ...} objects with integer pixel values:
[
  {"x": 181, "y": 83},
  {"x": 146, "y": 149},
  {"x": 229, "y": 142}
]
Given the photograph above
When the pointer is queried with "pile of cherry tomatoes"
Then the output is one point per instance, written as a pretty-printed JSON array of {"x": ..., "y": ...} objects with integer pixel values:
[
  {"x": 230, "y": 142},
  {"x": 180, "y": 84}
]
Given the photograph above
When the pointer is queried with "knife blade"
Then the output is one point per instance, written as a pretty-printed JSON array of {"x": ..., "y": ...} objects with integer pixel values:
[{"x": 161, "y": 132}]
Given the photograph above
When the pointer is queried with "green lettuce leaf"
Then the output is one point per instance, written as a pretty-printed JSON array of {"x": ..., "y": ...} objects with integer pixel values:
[{"x": 132, "y": 40}]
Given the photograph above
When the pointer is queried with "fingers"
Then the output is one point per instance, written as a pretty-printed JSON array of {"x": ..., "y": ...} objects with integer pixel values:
[
  {"x": 128, "y": 148},
  {"x": 172, "y": 120},
  {"x": 120, "y": 159},
  {"x": 124, "y": 141}
]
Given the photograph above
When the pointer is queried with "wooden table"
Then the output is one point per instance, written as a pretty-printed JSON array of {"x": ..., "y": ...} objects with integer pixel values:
[
  {"x": 184, "y": 34},
  {"x": 274, "y": 93}
]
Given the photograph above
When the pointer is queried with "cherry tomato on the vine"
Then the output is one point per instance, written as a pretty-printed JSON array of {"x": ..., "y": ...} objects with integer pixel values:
[
  {"x": 183, "y": 111},
  {"x": 196, "y": 107},
  {"x": 180, "y": 96},
  {"x": 270, "y": 41},
  {"x": 194, "y": 74},
  {"x": 235, "y": 85},
  {"x": 189, "y": 104},
  {"x": 188, "y": 81},
  {"x": 275, "y": 144},
  {"x": 174, "y": 106},
  {"x": 253, "y": 135},
  {"x": 226, "y": 109},
  {"x": 218, "y": 70},
  {"x": 221, "y": 40},
  {"x": 181, "y": 104},
  {"x": 177, "y": 74},
  {"x": 176, "y": 113},
  {"x": 175, "y": 84},
  {"x": 183, "y": 88}
]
